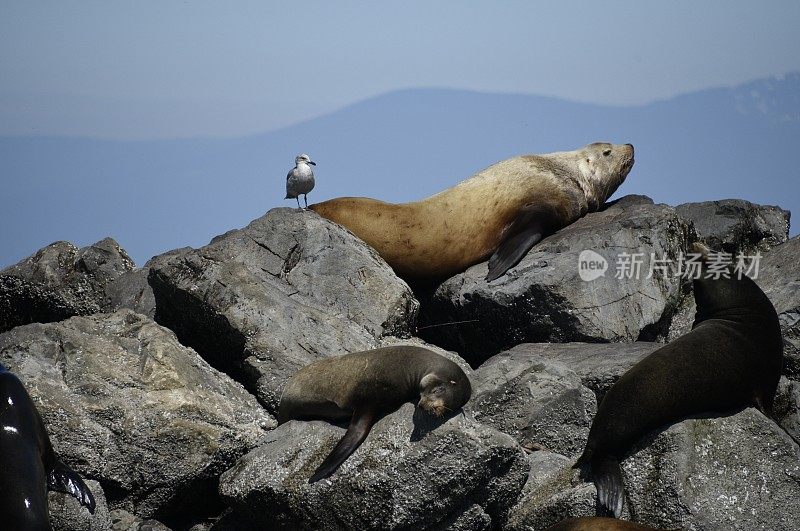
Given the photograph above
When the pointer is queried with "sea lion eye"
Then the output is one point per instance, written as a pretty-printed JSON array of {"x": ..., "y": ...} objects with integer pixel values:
[{"x": 606, "y": 152}]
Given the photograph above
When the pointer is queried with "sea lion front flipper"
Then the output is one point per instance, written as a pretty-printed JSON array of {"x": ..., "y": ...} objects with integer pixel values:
[
  {"x": 533, "y": 222},
  {"x": 63, "y": 479},
  {"x": 357, "y": 431}
]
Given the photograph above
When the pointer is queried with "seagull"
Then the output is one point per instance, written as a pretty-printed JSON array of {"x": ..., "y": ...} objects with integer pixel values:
[{"x": 300, "y": 180}]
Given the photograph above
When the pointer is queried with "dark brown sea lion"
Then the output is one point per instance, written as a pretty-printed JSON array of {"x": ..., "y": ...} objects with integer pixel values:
[
  {"x": 500, "y": 212},
  {"x": 730, "y": 360},
  {"x": 363, "y": 387},
  {"x": 28, "y": 465}
]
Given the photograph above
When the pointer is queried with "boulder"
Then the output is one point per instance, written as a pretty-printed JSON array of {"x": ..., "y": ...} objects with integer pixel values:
[
  {"x": 66, "y": 514},
  {"x": 738, "y": 472},
  {"x": 126, "y": 404},
  {"x": 290, "y": 288},
  {"x": 131, "y": 289},
  {"x": 545, "y": 297},
  {"x": 737, "y": 226},
  {"x": 779, "y": 277},
  {"x": 60, "y": 281},
  {"x": 732, "y": 226},
  {"x": 539, "y": 402},
  {"x": 410, "y": 473},
  {"x": 122, "y": 520}
]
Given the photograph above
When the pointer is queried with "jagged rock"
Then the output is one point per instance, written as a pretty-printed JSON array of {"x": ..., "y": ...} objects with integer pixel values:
[
  {"x": 132, "y": 291},
  {"x": 738, "y": 472},
  {"x": 787, "y": 407},
  {"x": 544, "y": 299},
  {"x": 125, "y": 403},
  {"x": 122, "y": 520},
  {"x": 539, "y": 402},
  {"x": 66, "y": 514},
  {"x": 779, "y": 277},
  {"x": 408, "y": 474},
  {"x": 60, "y": 281},
  {"x": 288, "y": 289},
  {"x": 732, "y": 226},
  {"x": 737, "y": 226}
]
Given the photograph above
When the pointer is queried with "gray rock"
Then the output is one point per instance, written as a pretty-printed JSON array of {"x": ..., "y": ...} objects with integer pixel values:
[
  {"x": 66, "y": 514},
  {"x": 60, "y": 281},
  {"x": 131, "y": 289},
  {"x": 125, "y": 403},
  {"x": 544, "y": 299},
  {"x": 738, "y": 472},
  {"x": 408, "y": 474},
  {"x": 787, "y": 407},
  {"x": 735, "y": 225},
  {"x": 539, "y": 402},
  {"x": 598, "y": 365},
  {"x": 779, "y": 277},
  {"x": 288, "y": 289}
]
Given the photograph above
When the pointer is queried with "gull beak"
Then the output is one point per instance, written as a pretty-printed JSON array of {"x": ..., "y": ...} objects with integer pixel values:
[{"x": 312, "y": 162}]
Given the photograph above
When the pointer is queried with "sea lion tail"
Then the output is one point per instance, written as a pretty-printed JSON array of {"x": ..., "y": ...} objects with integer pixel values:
[
  {"x": 63, "y": 479},
  {"x": 607, "y": 477}
]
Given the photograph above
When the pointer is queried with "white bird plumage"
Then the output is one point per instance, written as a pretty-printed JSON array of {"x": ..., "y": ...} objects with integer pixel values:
[{"x": 300, "y": 180}]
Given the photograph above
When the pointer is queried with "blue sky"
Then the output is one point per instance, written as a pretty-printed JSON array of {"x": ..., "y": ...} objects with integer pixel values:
[{"x": 155, "y": 69}]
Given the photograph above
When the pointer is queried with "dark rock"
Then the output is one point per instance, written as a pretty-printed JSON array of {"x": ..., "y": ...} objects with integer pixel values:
[
  {"x": 288, "y": 289},
  {"x": 60, "y": 281},
  {"x": 737, "y": 226},
  {"x": 544, "y": 298},
  {"x": 460, "y": 473},
  {"x": 122, "y": 520},
  {"x": 128, "y": 405},
  {"x": 66, "y": 514}
]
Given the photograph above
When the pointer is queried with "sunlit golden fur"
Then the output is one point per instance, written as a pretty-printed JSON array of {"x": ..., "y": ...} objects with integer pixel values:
[{"x": 441, "y": 235}]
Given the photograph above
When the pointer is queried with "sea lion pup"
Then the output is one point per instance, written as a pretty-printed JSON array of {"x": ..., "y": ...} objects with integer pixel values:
[
  {"x": 363, "y": 387},
  {"x": 28, "y": 466},
  {"x": 731, "y": 359},
  {"x": 597, "y": 523},
  {"x": 500, "y": 212}
]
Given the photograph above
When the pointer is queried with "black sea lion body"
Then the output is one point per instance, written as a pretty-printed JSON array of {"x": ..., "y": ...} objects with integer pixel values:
[
  {"x": 500, "y": 212},
  {"x": 365, "y": 386},
  {"x": 28, "y": 465},
  {"x": 731, "y": 359}
]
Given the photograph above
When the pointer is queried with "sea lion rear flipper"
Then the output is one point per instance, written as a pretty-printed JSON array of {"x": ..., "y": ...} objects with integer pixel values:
[
  {"x": 607, "y": 477},
  {"x": 357, "y": 431},
  {"x": 63, "y": 479},
  {"x": 532, "y": 223}
]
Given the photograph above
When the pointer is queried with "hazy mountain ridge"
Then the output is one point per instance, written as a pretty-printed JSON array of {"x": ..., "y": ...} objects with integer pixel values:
[{"x": 157, "y": 195}]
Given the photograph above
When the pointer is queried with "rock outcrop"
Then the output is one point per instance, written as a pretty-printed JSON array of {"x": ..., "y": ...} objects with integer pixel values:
[
  {"x": 544, "y": 297},
  {"x": 129, "y": 406},
  {"x": 288, "y": 289},
  {"x": 406, "y": 475},
  {"x": 60, "y": 281}
]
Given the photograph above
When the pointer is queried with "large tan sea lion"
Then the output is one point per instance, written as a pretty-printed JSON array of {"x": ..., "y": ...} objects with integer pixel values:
[
  {"x": 363, "y": 387},
  {"x": 731, "y": 359},
  {"x": 500, "y": 212}
]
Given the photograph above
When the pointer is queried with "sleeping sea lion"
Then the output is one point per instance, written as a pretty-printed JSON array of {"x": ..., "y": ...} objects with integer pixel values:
[
  {"x": 363, "y": 387},
  {"x": 500, "y": 212},
  {"x": 731, "y": 359}
]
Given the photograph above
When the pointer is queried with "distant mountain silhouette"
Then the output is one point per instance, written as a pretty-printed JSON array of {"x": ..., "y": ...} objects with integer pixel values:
[{"x": 153, "y": 196}]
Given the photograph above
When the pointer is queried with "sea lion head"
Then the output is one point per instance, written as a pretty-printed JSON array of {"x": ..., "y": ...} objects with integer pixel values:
[
  {"x": 442, "y": 393},
  {"x": 603, "y": 167}
]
